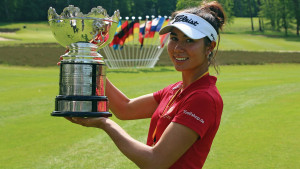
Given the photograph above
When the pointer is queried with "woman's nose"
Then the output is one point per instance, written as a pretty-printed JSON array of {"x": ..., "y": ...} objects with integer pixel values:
[{"x": 179, "y": 47}]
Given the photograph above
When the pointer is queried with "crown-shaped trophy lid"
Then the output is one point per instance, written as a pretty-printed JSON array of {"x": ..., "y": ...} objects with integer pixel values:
[
  {"x": 72, "y": 26},
  {"x": 74, "y": 12},
  {"x": 96, "y": 12},
  {"x": 70, "y": 12}
]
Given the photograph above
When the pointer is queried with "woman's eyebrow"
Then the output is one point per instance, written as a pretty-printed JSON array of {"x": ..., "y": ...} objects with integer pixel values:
[
  {"x": 175, "y": 34},
  {"x": 172, "y": 33}
]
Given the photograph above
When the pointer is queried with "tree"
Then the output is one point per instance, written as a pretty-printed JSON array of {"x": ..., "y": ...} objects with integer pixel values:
[
  {"x": 139, "y": 6},
  {"x": 227, "y": 5},
  {"x": 4, "y": 10},
  {"x": 10, "y": 9},
  {"x": 297, "y": 14},
  {"x": 284, "y": 16},
  {"x": 183, "y": 4},
  {"x": 241, "y": 8},
  {"x": 270, "y": 10},
  {"x": 251, "y": 17},
  {"x": 260, "y": 17},
  {"x": 288, "y": 14},
  {"x": 166, "y": 7},
  {"x": 122, "y": 6},
  {"x": 151, "y": 7},
  {"x": 280, "y": 13}
]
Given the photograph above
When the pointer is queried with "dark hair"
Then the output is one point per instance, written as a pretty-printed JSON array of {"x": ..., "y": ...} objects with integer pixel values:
[{"x": 214, "y": 14}]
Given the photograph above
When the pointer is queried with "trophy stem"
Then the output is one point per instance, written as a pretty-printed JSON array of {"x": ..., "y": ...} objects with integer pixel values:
[
  {"x": 82, "y": 53},
  {"x": 82, "y": 83}
]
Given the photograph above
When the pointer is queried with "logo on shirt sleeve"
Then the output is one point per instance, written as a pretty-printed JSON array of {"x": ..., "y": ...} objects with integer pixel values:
[{"x": 193, "y": 115}]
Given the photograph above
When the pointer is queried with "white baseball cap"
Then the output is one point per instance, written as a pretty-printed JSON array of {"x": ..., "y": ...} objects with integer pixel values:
[{"x": 192, "y": 26}]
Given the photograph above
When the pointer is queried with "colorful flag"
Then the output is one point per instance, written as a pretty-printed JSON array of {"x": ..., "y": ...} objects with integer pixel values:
[
  {"x": 166, "y": 22},
  {"x": 153, "y": 28},
  {"x": 120, "y": 37},
  {"x": 136, "y": 29},
  {"x": 142, "y": 33},
  {"x": 124, "y": 33},
  {"x": 147, "y": 29},
  {"x": 119, "y": 28},
  {"x": 160, "y": 24},
  {"x": 130, "y": 31},
  {"x": 163, "y": 38}
]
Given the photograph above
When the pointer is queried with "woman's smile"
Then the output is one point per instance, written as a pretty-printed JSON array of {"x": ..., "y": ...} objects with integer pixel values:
[{"x": 181, "y": 59}]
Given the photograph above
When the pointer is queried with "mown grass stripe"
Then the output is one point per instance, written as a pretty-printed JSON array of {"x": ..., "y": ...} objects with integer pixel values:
[{"x": 259, "y": 127}]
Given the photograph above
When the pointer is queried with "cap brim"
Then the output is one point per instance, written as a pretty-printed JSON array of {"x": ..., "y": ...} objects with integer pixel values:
[{"x": 187, "y": 30}]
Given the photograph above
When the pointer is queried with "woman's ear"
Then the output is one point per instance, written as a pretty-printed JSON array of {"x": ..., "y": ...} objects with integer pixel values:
[
  {"x": 210, "y": 48},
  {"x": 213, "y": 44}
]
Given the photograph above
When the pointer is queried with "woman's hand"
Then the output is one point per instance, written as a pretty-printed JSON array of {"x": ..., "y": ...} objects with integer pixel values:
[
  {"x": 61, "y": 58},
  {"x": 98, "y": 122}
]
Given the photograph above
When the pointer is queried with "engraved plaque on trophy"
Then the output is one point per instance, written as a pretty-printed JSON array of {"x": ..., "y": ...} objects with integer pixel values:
[{"x": 82, "y": 70}]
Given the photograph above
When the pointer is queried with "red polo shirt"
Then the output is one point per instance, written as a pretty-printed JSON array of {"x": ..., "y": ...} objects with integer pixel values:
[{"x": 199, "y": 107}]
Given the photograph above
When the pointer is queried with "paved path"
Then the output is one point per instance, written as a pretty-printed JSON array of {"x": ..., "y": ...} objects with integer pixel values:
[{"x": 5, "y": 39}]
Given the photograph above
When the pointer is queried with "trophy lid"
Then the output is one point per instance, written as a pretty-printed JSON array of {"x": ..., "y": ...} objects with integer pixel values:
[{"x": 72, "y": 26}]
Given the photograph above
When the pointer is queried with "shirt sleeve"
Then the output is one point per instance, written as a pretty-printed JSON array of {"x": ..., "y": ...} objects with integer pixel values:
[
  {"x": 158, "y": 95},
  {"x": 197, "y": 112}
]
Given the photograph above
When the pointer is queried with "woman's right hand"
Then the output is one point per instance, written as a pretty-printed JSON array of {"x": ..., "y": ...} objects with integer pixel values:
[
  {"x": 61, "y": 58},
  {"x": 97, "y": 122}
]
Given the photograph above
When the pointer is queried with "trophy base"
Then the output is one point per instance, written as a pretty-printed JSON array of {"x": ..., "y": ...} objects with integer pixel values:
[
  {"x": 80, "y": 114},
  {"x": 81, "y": 106}
]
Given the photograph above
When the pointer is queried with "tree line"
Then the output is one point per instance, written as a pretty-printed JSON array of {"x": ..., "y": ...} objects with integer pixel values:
[
  {"x": 280, "y": 14},
  {"x": 36, "y": 10}
]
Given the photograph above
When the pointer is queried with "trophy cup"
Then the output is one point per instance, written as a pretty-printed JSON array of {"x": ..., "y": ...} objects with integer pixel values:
[{"x": 82, "y": 70}]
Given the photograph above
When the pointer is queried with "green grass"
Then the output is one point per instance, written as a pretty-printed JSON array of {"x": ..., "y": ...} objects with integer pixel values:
[
  {"x": 248, "y": 42},
  {"x": 239, "y": 36},
  {"x": 35, "y": 32},
  {"x": 260, "y": 119},
  {"x": 259, "y": 128},
  {"x": 243, "y": 26},
  {"x": 240, "y": 25}
]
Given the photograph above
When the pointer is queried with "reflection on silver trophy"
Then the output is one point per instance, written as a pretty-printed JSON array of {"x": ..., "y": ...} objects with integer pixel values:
[{"x": 82, "y": 69}]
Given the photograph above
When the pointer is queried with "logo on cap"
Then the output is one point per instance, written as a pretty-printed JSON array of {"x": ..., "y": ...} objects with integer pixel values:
[
  {"x": 212, "y": 35},
  {"x": 183, "y": 18}
]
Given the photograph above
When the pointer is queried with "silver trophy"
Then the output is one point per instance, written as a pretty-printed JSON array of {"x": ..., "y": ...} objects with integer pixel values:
[{"x": 82, "y": 69}]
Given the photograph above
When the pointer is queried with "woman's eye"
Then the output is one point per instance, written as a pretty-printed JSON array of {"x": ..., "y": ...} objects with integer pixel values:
[
  {"x": 173, "y": 38},
  {"x": 189, "y": 40}
]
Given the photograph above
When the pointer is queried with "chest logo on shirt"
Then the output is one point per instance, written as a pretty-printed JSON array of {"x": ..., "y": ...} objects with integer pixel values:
[
  {"x": 170, "y": 110},
  {"x": 167, "y": 115}
]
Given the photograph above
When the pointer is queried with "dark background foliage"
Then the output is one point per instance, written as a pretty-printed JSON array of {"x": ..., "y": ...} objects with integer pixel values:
[{"x": 281, "y": 14}]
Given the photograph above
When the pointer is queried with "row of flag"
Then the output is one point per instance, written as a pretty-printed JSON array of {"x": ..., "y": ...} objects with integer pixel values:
[{"x": 125, "y": 32}]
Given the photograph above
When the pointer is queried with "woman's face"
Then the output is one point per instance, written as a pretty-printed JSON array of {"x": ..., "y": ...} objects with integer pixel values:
[{"x": 187, "y": 54}]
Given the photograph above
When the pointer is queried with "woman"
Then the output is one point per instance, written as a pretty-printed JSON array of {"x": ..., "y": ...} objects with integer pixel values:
[{"x": 185, "y": 116}]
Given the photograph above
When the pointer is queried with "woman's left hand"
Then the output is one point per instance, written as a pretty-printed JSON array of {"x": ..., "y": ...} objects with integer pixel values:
[{"x": 98, "y": 122}]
